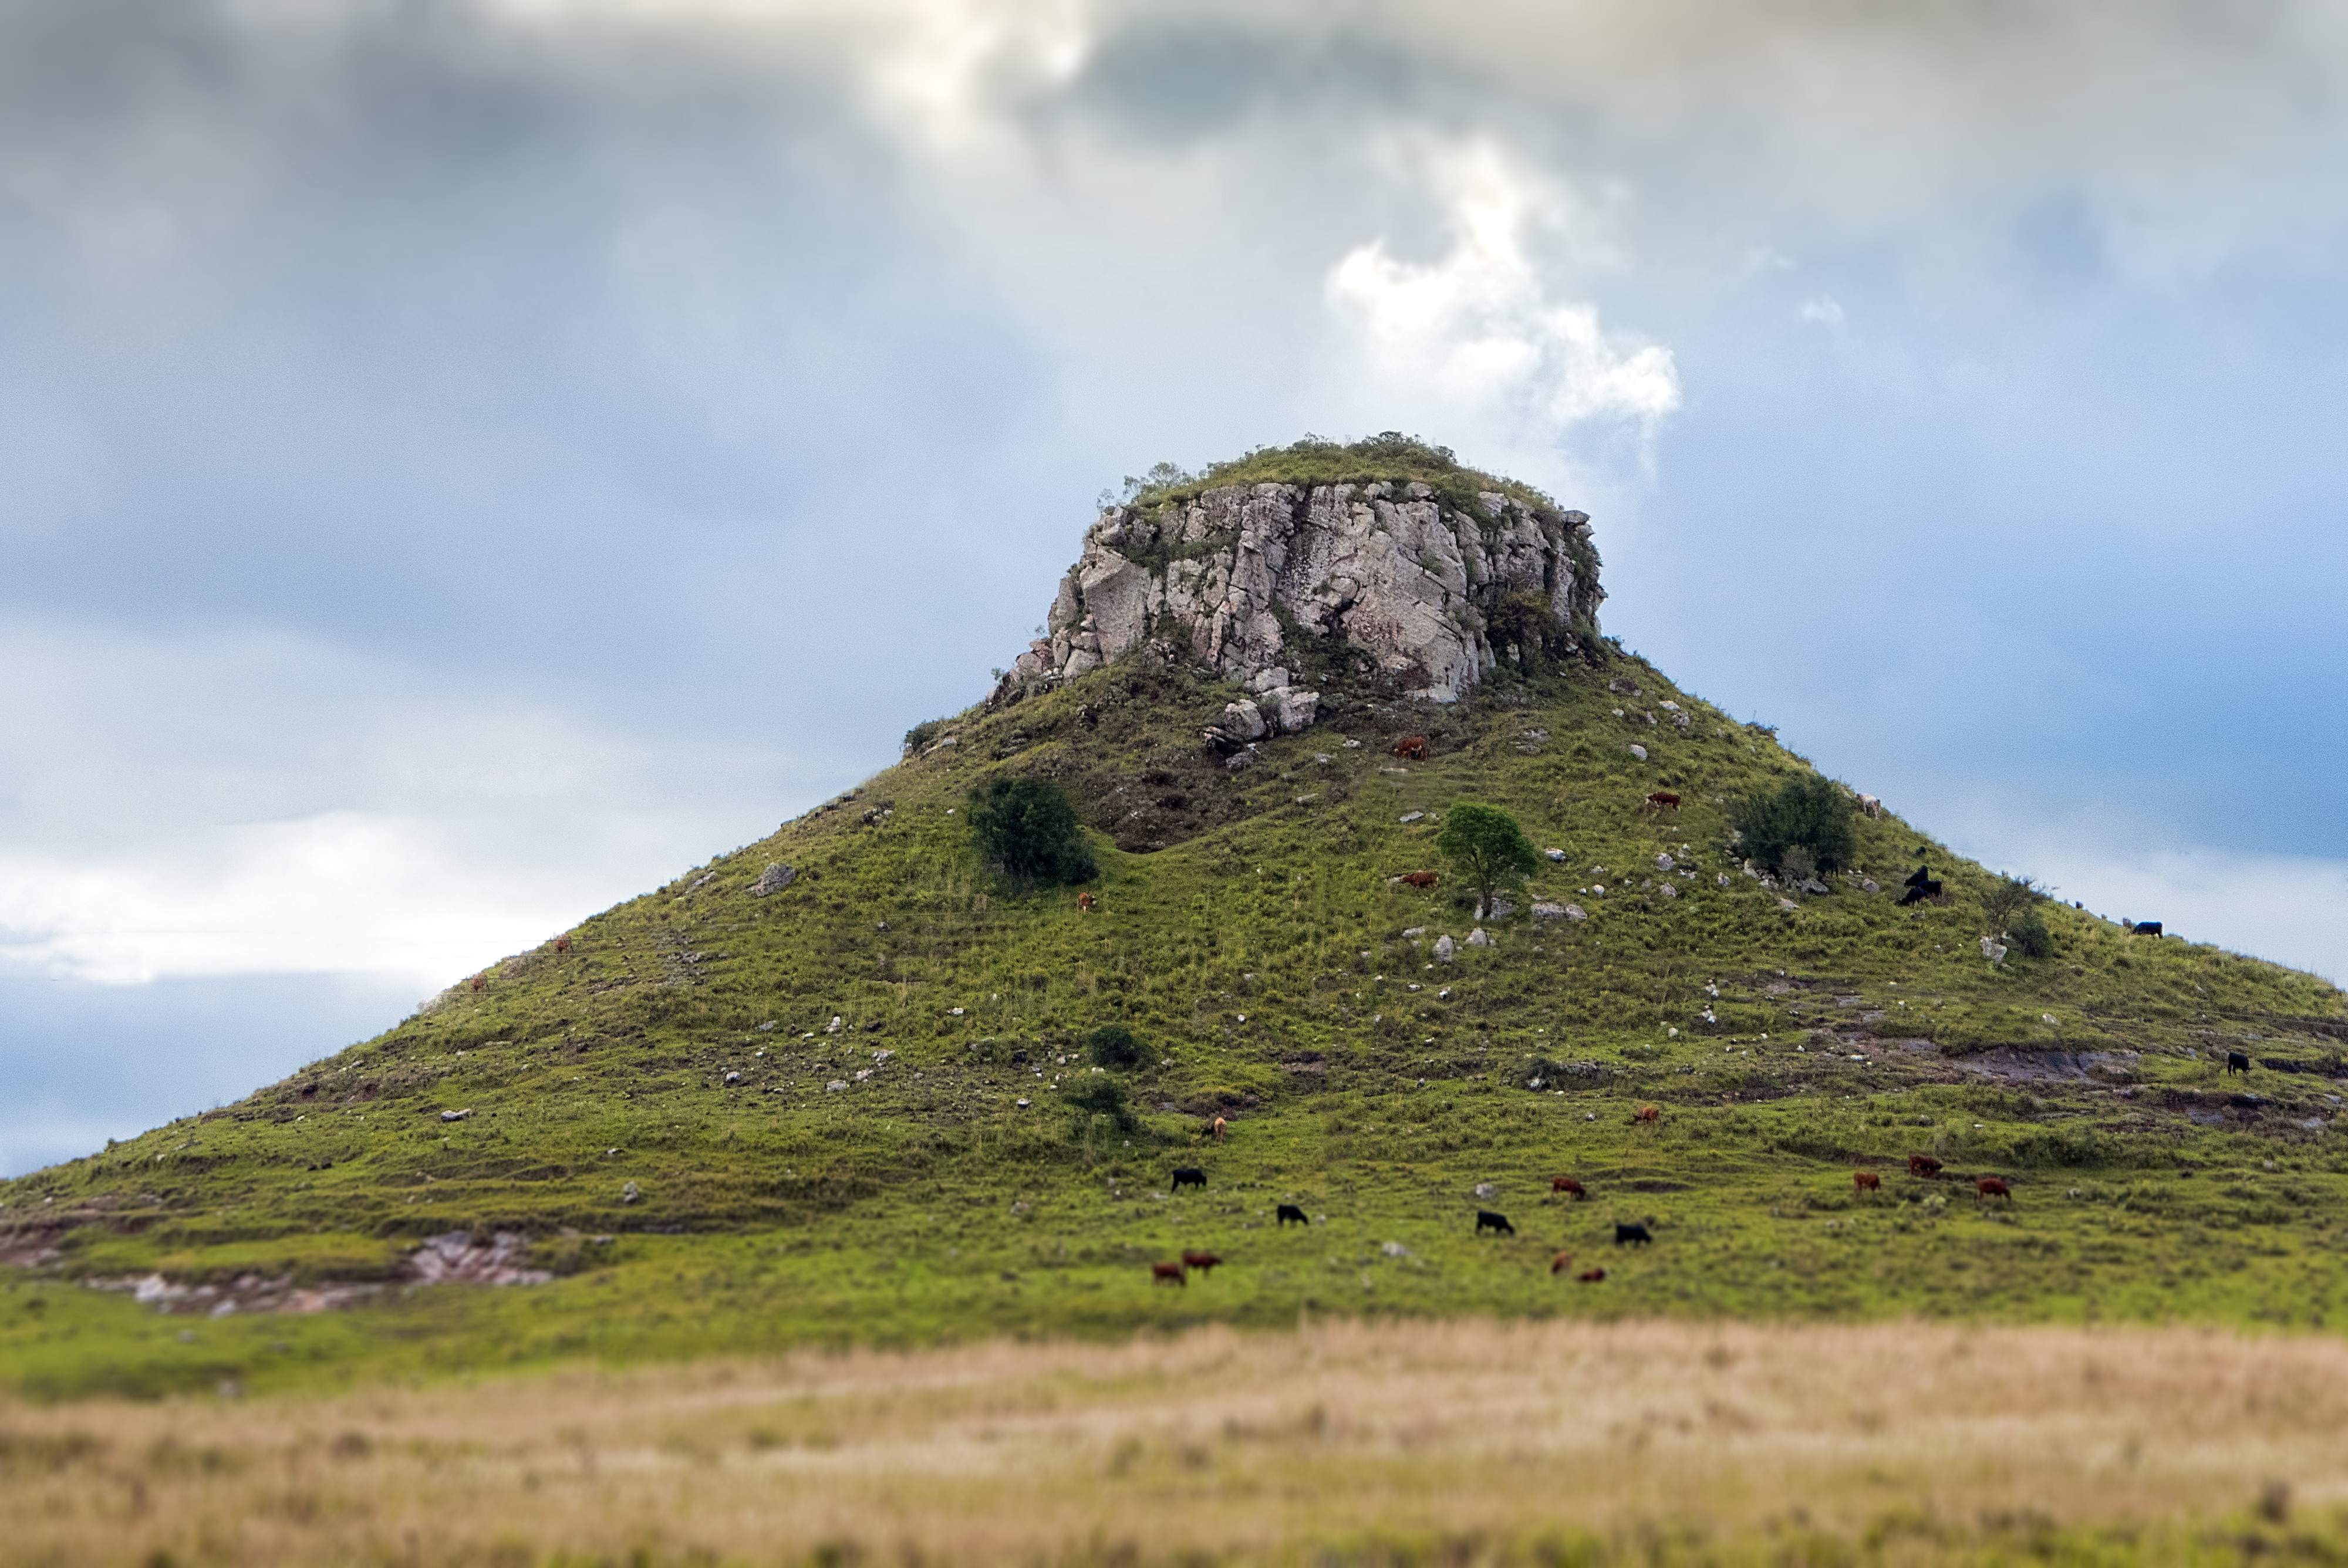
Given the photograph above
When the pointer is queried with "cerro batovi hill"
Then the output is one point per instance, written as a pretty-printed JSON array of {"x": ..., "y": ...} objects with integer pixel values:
[{"x": 758, "y": 1106}]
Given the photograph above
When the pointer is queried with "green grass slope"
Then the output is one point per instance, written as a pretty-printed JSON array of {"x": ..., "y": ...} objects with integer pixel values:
[{"x": 838, "y": 1113}]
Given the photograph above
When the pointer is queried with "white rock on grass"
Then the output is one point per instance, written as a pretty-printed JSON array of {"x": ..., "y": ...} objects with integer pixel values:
[
  {"x": 1443, "y": 948},
  {"x": 773, "y": 880},
  {"x": 1640, "y": 753},
  {"x": 1576, "y": 912},
  {"x": 1556, "y": 855},
  {"x": 1478, "y": 938}
]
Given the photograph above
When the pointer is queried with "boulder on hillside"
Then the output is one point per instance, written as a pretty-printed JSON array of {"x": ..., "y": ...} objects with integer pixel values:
[{"x": 1406, "y": 582}]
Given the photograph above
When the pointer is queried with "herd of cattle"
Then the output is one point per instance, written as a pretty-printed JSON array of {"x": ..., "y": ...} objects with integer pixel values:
[{"x": 1627, "y": 1232}]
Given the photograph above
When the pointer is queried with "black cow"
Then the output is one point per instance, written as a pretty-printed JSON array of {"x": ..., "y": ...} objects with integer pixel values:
[
  {"x": 1189, "y": 1176},
  {"x": 2146, "y": 928},
  {"x": 1486, "y": 1220},
  {"x": 2237, "y": 1062},
  {"x": 1287, "y": 1212},
  {"x": 1631, "y": 1233},
  {"x": 1920, "y": 884}
]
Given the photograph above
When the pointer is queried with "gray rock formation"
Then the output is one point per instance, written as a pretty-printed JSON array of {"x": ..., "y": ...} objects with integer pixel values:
[{"x": 1407, "y": 582}]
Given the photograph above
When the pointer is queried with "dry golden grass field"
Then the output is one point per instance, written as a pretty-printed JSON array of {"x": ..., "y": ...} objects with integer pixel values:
[{"x": 1454, "y": 1442}]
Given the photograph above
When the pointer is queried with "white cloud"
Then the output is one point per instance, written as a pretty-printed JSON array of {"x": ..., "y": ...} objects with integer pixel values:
[
  {"x": 1822, "y": 309},
  {"x": 2288, "y": 909},
  {"x": 339, "y": 893},
  {"x": 1474, "y": 336},
  {"x": 401, "y": 826}
]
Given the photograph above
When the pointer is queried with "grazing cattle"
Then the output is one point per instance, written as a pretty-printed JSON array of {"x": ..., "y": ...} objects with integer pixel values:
[
  {"x": 1662, "y": 800},
  {"x": 2237, "y": 1062},
  {"x": 1486, "y": 1220},
  {"x": 1215, "y": 1132},
  {"x": 1567, "y": 1185},
  {"x": 1166, "y": 1274},
  {"x": 1647, "y": 1113},
  {"x": 1866, "y": 1182},
  {"x": 1202, "y": 1261},
  {"x": 1412, "y": 748},
  {"x": 1633, "y": 1232},
  {"x": 1084, "y": 903},
  {"x": 1421, "y": 878},
  {"x": 1591, "y": 1276},
  {"x": 480, "y": 982},
  {"x": 1189, "y": 1176},
  {"x": 562, "y": 944},
  {"x": 1869, "y": 806},
  {"x": 2146, "y": 928},
  {"x": 1560, "y": 1263},
  {"x": 1992, "y": 1187},
  {"x": 1288, "y": 1213},
  {"x": 1921, "y": 889},
  {"x": 1923, "y": 1166}
]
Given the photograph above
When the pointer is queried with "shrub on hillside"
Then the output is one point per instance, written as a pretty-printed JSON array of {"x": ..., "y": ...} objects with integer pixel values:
[
  {"x": 1115, "y": 1047},
  {"x": 2029, "y": 933},
  {"x": 919, "y": 737},
  {"x": 1808, "y": 812},
  {"x": 2006, "y": 899},
  {"x": 1027, "y": 830},
  {"x": 1092, "y": 1097}
]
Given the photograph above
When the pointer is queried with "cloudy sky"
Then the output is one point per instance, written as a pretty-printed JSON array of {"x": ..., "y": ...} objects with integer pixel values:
[{"x": 463, "y": 461}]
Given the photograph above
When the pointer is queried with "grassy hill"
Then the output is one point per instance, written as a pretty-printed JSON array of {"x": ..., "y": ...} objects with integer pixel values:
[{"x": 838, "y": 1113}]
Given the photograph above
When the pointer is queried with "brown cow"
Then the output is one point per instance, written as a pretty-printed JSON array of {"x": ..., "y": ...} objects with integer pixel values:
[
  {"x": 1421, "y": 878},
  {"x": 1992, "y": 1187},
  {"x": 1662, "y": 800},
  {"x": 1218, "y": 1129},
  {"x": 1591, "y": 1276},
  {"x": 1412, "y": 748},
  {"x": 1647, "y": 1113},
  {"x": 480, "y": 982},
  {"x": 1866, "y": 1182},
  {"x": 1567, "y": 1185},
  {"x": 1166, "y": 1274},
  {"x": 1923, "y": 1166},
  {"x": 562, "y": 944},
  {"x": 1560, "y": 1263},
  {"x": 1202, "y": 1261},
  {"x": 1085, "y": 903}
]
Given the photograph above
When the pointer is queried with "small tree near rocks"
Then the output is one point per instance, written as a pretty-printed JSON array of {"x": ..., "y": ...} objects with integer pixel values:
[
  {"x": 1488, "y": 849},
  {"x": 1090, "y": 1096},
  {"x": 1027, "y": 831},
  {"x": 1808, "y": 812},
  {"x": 2009, "y": 907}
]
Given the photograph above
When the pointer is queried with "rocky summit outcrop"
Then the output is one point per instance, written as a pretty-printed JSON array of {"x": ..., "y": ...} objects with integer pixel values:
[{"x": 1431, "y": 593}]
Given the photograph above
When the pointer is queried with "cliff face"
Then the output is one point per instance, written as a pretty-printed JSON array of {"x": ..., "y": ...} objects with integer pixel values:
[{"x": 1411, "y": 586}]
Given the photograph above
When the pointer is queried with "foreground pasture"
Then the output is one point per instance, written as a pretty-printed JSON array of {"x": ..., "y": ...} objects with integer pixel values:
[{"x": 1461, "y": 1442}]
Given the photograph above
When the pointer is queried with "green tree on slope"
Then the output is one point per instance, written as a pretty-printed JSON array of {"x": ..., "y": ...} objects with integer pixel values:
[
  {"x": 1486, "y": 847},
  {"x": 1808, "y": 813},
  {"x": 1027, "y": 830}
]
